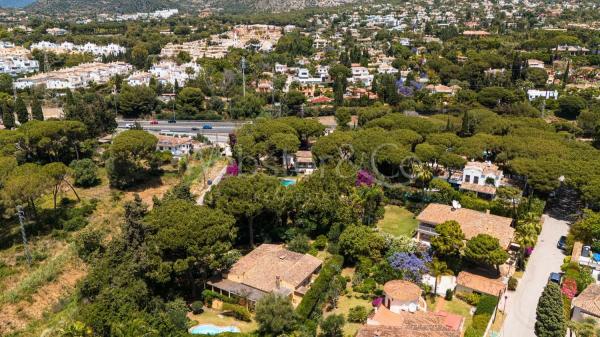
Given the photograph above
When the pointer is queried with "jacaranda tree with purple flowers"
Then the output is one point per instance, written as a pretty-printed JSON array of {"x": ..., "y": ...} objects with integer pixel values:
[{"x": 412, "y": 266}]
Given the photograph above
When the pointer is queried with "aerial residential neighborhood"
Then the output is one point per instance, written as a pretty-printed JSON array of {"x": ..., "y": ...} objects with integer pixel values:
[{"x": 323, "y": 168}]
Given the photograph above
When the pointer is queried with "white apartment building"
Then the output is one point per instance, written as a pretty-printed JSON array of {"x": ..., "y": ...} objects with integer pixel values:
[
  {"x": 166, "y": 72},
  {"x": 75, "y": 77},
  {"x": 15, "y": 66},
  {"x": 68, "y": 47},
  {"x": 361, "y": 75}
]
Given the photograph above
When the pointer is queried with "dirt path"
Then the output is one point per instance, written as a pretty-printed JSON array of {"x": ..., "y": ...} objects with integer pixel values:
[{"x": 200, "y": 187}]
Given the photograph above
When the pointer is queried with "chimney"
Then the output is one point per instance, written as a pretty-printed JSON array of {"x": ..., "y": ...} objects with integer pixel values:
[{"x": 277, "y": 281}]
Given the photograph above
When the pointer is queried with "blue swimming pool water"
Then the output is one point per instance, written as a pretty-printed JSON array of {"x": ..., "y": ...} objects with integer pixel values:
[
  {"x": 209, "y": 329},
  {"x": 287, "y": 182}
]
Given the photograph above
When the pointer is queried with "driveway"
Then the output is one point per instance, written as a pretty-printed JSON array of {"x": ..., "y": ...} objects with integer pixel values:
[{"x": 546, "y": 258}]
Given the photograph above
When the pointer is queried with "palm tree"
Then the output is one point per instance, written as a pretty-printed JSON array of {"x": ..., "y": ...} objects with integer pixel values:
[
  {"x": 527, "y": 234},
  {"x": 422, "y": 174},
  {"x": 437, "y": 269}
]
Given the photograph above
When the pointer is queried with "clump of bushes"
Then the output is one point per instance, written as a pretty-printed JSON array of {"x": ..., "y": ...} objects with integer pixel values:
[
  {"x": 197, "y": 307},
  {"x": 472, "y": 299},
  {"x": 358, "y": 314},
  {"x": 512, "y": 283},
  {"x": 320, "y": 242},
  {"x": 237, "y": 311},
  {"x": 208, "y": 296}
]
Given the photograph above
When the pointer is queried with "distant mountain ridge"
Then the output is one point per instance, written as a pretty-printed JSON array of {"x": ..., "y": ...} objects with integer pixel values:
[{"x": 132, "y": 6}]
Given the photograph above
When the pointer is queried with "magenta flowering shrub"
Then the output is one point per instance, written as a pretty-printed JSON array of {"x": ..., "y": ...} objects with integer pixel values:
[{"x": 364, "y": 178}]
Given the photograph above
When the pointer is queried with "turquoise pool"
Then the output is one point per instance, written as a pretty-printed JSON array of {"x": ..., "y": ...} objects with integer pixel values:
[
  {"x": 287, "y": 182},
  {"x": 209, "y": 329}
]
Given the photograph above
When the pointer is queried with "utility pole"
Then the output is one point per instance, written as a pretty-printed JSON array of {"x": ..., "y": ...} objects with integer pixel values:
[
  {"x": 21, "y": 215},
  {"x": 244, "y": 75}
]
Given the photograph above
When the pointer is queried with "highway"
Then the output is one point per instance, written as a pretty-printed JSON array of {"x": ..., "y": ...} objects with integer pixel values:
[
  {"x": 192, "y": 127},
  {"x": 219, "y": 133}
]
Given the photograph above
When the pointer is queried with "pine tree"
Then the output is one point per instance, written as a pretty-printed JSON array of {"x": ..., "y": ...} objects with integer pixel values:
[
  {"x": 566, "y": 74},
  {"x": 550, "y": 314},
  {"x": 8, "y": 117},
  {"x": 21, "y": 111},
  {"x": 36, "y": 109},
  {"x": 466, "y": 129}
]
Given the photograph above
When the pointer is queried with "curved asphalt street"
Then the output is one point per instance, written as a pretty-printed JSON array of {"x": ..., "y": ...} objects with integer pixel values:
[{"x": 522, "y": 303}]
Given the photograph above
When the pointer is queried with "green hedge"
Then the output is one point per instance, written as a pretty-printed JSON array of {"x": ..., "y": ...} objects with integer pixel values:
[
  {"x": 237, "y": 311},
  {"x": 208, "y": 296},
  {"x": 483, "y": 312},
  {"x": 316, "y": 295}
]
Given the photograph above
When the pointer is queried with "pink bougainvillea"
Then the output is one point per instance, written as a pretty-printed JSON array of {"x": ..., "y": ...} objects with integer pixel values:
[
  {"x": 364, "y": 178},
  {"x": 569, "y": 288},
  {"x": 232, "y": 170}
]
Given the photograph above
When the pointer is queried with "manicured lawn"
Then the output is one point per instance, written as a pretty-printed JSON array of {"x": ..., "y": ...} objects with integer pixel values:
[
  {"x": 398, "y": 221},
  {"x": 210, "y": 316}
]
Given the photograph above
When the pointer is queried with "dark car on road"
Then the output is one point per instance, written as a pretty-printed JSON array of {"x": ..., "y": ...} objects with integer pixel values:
[
  {"x": 562, "y": 243},
  {"x": 172, "y": 121},
  {"x": 555, "y": 277}
]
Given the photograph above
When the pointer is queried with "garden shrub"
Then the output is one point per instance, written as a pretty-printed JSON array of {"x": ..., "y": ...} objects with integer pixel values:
[
  {"x": 512, "y": 283},
  {"x": 358, "y": 314},
  {"x": 237, "y": 311},
  {"x": 449, "y": 295},
  {"x": 197, "y": 307},
  {"x": 471, "y": 298},
  {"x": 367, "y": 286},
  {"x": 320, "y": 242}
]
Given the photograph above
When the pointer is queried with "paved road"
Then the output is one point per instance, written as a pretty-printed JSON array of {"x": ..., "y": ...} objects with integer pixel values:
[
  {"x": 224, "y": 127},
  {"x": 546, "y": 258}
]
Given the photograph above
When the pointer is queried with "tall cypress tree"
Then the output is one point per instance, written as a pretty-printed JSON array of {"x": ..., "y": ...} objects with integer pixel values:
[
  {"x": 550, "y": 317},
  {"x": 36, "y": 109},
  {"x": 8, "y": 117},
  {"x": 21, "y": 111}
]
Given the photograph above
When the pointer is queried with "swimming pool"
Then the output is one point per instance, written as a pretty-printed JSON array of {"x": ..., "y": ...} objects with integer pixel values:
[
  {"x": 209, "y": 329},
  {"x": 287, "y": 182}
]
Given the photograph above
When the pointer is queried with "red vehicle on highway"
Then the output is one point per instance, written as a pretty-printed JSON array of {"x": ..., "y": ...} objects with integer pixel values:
[{"x": 154, "y": 122}]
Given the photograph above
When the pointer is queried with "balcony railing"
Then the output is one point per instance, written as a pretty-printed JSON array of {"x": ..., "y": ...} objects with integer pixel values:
[{"x": 427, "y": 229}]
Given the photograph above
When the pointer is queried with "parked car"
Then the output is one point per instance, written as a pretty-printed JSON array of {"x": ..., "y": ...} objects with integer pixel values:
[
  {"x": 555, "y": 277},
  {"x": 154, "y": 122},
  {"x": 207, "y": 127},
  {"x": 562, "y": 243}
]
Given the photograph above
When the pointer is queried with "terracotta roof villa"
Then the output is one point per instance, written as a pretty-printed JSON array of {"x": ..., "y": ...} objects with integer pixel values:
[
  {"x": 471, "y": 222},
  {"x": 587, "y": 304},
  {"x": 403, "y": 312},
  {"x": 472, "y": 283},
  {"x": 268, "y": 268}
]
